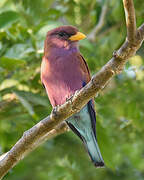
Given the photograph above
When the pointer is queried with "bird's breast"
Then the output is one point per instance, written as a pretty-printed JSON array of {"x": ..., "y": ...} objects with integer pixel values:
[{"x": 61, "y": 76}]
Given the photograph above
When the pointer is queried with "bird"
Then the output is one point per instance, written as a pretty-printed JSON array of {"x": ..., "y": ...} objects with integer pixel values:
[{"x": 63, "y": 72}]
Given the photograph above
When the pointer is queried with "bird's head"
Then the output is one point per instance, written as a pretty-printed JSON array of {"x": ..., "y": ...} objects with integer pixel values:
[{"x": 65, "y": 37}]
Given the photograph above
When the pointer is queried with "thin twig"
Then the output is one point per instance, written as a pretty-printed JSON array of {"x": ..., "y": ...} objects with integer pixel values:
[
  {"x": 80, "y": 98},
  {"x": 100, "y": 23}
]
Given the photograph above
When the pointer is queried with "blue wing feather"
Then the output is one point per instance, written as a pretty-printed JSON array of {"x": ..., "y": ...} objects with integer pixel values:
[{"x": 92, "y": 115}]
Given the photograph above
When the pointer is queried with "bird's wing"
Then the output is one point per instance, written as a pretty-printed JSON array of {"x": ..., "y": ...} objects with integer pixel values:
[
  {"x": 92, "y": 113},
  {"x": 42, "y": 70},
  {"x": 90, "y": 104},
  {"x": 85, "y": 68}
]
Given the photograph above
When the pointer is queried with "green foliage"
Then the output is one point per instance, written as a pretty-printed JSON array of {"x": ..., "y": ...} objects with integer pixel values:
[
  {"x": 7, "y": 18},
  {"x": 23, "y": 101},
  {"x": 9, "y": 63}
]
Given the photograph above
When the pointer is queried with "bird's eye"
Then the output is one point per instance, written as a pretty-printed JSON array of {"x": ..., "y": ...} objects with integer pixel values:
[{"x": 62, "y": 34}]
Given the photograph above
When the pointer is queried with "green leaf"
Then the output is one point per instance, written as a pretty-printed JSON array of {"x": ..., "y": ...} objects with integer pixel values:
[
  {"x": 8, "y": 18},
  {"x": 11, "y": 63},
  {"x": 26, "y": 104},
  {"x": 48, "y": 26},
  {"x": 19, "y": 51},
  {"x": 36, "y": 99},
  {"x": 86, "y": 44}
]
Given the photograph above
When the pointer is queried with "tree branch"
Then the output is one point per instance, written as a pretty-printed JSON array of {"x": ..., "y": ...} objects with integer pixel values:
[
  {"x": 33, "y": 136},
  {"x": 61, "y": 128},
  {"x": 100, "y": 23},
  {"x": 130, "y": 20}
]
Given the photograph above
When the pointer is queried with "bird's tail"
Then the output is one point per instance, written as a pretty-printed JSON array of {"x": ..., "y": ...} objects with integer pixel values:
[{"x": 93, "y": 150}]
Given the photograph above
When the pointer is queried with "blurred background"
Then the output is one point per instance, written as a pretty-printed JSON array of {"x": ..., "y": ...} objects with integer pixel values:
[{"x": 23, "y": 101}]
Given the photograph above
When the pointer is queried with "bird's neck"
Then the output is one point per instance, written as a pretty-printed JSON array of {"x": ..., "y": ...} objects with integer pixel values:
[{"x": 62, "y": 51}]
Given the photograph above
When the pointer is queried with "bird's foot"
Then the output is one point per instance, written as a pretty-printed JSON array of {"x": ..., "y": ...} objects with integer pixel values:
[
  {"x": 55, "y": 109},
  {"x": 117, "y": 55},
  {"x": 69, "y": 98}
]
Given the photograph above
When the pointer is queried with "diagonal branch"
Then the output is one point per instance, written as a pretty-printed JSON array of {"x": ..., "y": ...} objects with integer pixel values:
[
  {"x": 34, "y": 135},
  {"x": 61, "y": 128},
  {"x": 140, "y": 32}
]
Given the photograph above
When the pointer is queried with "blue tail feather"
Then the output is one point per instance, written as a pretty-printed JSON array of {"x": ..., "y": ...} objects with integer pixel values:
[
  {"x": 83, "y": 124},
  {"x": 94, "y": 151}
]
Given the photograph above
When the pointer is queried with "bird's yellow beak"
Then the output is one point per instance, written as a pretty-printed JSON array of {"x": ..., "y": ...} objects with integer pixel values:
[{"x": 78, "y": 36}]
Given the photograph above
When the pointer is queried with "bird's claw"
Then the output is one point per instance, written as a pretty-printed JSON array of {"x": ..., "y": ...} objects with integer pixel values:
[
  {"x": 55, "y": 109},
  {"x": 116, "y": 55},
  {"x": 69, "y": 98}
]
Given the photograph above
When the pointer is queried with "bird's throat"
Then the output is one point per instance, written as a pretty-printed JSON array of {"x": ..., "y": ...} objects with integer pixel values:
[{"x": 62, "y": 52}]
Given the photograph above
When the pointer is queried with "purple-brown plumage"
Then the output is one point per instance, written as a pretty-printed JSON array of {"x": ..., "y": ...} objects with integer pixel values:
[{"x": 63, "y": 71}]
